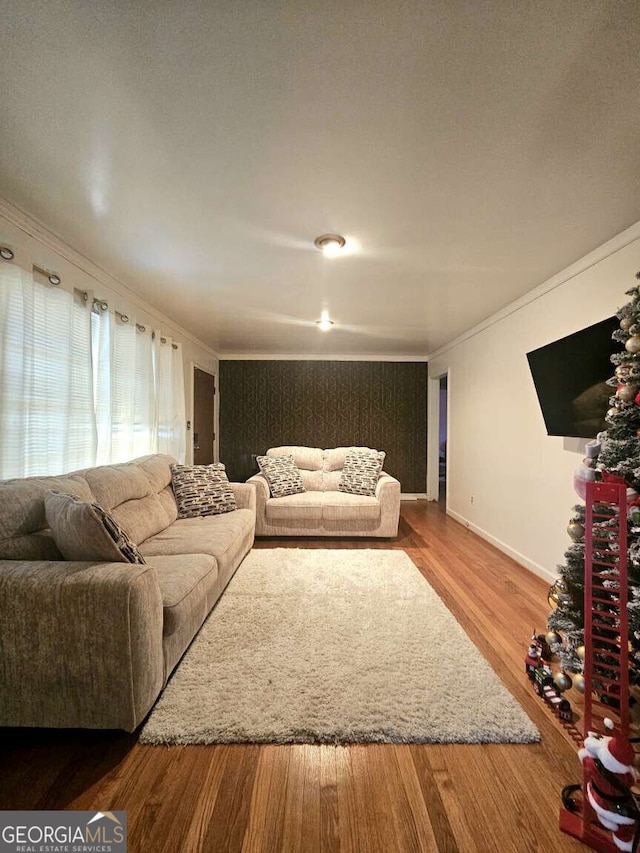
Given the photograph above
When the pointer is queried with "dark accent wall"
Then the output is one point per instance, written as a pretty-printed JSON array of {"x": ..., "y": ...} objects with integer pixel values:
[{"x": 325, "y": 404}]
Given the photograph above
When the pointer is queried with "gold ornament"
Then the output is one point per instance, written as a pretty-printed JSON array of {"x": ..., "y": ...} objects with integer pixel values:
[
  {"x": 562, "y": 681},
  {"x": 578, "y": 682},
  {"x": 626, "y": 323},
  {"x": 575, "y": 531},
  {"x": 552, "y": 637},
  {"x": 579, "y": 650},
  {"x": 626, "y": 393},
  {"x": 623, "y": 371},
  {"x": 632, "y": 344},
  {"x": 553, "y": 597}
]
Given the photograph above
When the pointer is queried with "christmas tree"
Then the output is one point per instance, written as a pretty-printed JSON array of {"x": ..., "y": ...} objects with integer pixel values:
[{"x": 613, "y": 455}]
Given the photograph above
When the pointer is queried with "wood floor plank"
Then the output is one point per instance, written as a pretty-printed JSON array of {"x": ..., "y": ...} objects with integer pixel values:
[{"x": 353, "y": 799}]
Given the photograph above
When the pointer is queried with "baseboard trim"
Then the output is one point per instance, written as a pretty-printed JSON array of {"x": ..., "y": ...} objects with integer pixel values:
[
  {"x": 413, "y": 496},
  {"x": 502, "y": 546}
]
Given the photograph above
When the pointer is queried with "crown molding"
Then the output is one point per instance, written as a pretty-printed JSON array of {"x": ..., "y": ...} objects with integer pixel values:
[
  {"x": 251, "y": 356},
  {"x": 38, "y": 231},
  {"x": 616, "y": 244}
]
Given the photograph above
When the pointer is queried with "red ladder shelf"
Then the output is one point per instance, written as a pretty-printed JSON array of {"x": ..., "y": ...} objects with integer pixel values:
[{"x": 606, "y": 639}]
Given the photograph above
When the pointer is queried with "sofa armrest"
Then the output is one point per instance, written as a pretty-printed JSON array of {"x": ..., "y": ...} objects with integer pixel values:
[
  {"x": 80, "y": 643},
  {"x": 245, "y": 495},
  {"x": 388, "y": 493},
  {"x": 387, "y": 486},
  {"x": 262, "y": 491}
]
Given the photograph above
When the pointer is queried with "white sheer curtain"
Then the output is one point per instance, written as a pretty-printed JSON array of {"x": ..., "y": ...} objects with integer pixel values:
[
  {"x": 138, "y": 389},
  {"x": 170, "y": 405},
  {"x": 123, "y": 385},
  {"x": 47, "y": 421},
  {"x": 80, "y": 387}
]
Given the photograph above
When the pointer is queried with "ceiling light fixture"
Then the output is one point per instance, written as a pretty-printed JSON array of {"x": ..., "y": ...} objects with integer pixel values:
[
  {"x": 324, "y": 323},
  {"x": 330, "y": 244}
]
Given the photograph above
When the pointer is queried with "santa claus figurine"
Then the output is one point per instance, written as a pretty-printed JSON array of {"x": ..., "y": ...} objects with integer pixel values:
[{"x": 608, "y": 767}]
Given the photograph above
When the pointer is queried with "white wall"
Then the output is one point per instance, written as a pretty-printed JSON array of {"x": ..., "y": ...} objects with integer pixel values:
[
  {"x": 34, "y": 244},
  {"x": 498, "y": 450}
]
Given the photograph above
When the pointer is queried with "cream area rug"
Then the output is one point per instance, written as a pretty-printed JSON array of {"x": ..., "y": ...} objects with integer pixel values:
[{"x": 333, "y": 646}]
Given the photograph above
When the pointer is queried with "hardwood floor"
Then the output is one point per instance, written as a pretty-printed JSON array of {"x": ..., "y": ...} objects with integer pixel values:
[{"x": 361, "y": 798}]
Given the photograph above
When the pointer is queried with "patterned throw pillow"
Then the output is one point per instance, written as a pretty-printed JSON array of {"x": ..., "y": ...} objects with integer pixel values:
[
  {"x": 282, "y": 475},
  {"x": 361, "y": 471},
  {"x": 202, "y": 490},
  {"x": 85, "y": 531}
]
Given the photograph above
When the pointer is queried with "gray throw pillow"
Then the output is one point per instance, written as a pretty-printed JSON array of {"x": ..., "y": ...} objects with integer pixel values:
[
  {"x": 282, "y": 475},
  {"x": 361, "y": 470},
  {"x": 202, "y": 490},
  {"x": 85, "y": 531}
]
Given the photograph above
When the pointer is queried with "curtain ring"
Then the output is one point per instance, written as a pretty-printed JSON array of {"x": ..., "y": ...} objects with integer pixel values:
[
  {"x": 6, "y": 253},
  {"x": 140, "y": 327}
]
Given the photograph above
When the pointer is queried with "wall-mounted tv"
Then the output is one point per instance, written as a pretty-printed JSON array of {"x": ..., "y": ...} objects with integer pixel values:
[{"x": 570, "y": 379}]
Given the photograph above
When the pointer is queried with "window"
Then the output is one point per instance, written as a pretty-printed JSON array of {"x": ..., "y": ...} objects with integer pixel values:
[{"x": 80, "y": 387}]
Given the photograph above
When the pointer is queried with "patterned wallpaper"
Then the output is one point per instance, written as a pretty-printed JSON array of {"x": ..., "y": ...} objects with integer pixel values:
[{"x": 325, "y": 404}]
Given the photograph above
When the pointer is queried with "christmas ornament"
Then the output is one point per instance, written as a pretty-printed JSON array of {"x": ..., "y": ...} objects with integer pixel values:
[
  {"x": 636, "y": 399},
  {"x": 578, "y": 682},
  {"x": 561, "y": 585},
  {"x": 632, "y": 344},
  {"x": 575, "y": 531},
  {"x": 623, "y": 371},
  {"x": 553, "y": 597},
  {"x": 626, "y": 393},
  {"x": 626, "y": 323},
  {"x": 552, "y": 637},
  {"x": 612, "y": 413},
  {"x": 579, "y": 650},
  {"x": 562, "y": 681}
]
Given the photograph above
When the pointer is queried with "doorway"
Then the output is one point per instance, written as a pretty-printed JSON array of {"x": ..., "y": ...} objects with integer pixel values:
[
  {"x": 442, "y": 442},
  {"x": 204, "y": 389}
]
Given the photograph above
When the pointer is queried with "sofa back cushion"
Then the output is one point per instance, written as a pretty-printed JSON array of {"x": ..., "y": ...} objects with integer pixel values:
[
  {"x": 24, "y": 534},
  {"x": 306, "y": 458},
  {"x": 320, "y": 470},
  {"x": 137, "y": 494},
  {"x": 334, "y": 460}
]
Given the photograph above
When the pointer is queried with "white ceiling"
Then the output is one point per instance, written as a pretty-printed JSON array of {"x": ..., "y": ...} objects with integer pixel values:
[{"x": 469, "y": 150}]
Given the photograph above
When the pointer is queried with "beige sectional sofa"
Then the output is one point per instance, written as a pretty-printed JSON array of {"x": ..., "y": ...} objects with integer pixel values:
[
  {"x": 86, "y": 644},
  {"x": 322, "y": 510}
]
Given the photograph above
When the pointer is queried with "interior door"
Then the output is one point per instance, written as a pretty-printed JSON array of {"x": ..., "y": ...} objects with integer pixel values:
[{"x": 204, "y": 389}]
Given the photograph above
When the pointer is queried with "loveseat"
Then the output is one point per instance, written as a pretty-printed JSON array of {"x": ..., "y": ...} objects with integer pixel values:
[
  {"x": 92, "y": 644},
  {"x": 322, "y": 510}
]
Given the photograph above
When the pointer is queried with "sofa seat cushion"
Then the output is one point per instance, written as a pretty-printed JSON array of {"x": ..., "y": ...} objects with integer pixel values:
[
  {"x": 341, "y": 506},
  {"x": 186, "y": 584},
  {"x": 225, "y": 537},
  {"x": 209, "y": 534},
  {"x": 304, "y": 505}
]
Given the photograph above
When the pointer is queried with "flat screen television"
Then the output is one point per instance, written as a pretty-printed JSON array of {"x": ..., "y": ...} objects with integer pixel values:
[{"x": 570, "y": 380}]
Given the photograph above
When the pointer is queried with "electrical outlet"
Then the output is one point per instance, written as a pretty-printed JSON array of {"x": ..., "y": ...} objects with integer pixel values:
[{"x": 471, "y": 498}]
